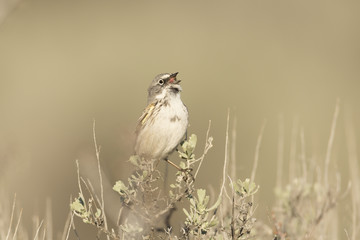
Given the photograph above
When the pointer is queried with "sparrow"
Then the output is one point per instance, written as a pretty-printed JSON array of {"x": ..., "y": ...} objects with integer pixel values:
[{"x": 163, "y": 123}]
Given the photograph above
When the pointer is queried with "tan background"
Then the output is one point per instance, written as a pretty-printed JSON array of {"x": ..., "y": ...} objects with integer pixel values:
[{"x": 65, "y": 63}]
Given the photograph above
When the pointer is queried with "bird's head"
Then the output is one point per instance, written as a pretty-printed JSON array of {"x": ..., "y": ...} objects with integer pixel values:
[{"x": 163, "y": 84}]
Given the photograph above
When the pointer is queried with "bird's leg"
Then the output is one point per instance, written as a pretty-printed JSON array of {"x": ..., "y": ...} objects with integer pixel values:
[
  {"x": 174, "y": 165},
  {"x": 185, "y": 170}
]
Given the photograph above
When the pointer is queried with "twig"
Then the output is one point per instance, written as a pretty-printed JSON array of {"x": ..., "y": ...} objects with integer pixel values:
[
  {"x": 72, "y": 224},
  {"x": 257, "y": 151},
  {"x": 353, "y": 169},
  {"x": 232, "y": 224},
  {"x": 206, "y": 148},
  {"x": 17, "y": 225},
  {"x": 303, "y": 153},
  {"x": 225, "y": 165},
  {"x": 330, "y": 143},
  {"x": 119, "y": 216},
  {"x": 91, "y": 191},
  {"x": 293, "y": 144},
  {"x": 79, "y": 182},
  {"x": 11, "y": 218},
  {"x": 233, "y": 150},
  {"x": 226, "y": 193},
  {"x": 49, "y": 223},
  {"x": 67, "y": 226},
  {"x": 226, "y": 153},
  {"x": 38, "y": 230},
  {"x": 44, "y": 232},
  {"x": 280, "y": 155},
  {"x": 101, "y": 180}
]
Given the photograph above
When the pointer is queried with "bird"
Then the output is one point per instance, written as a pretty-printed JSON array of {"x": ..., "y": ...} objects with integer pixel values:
[{"x": 163, "y": 124}]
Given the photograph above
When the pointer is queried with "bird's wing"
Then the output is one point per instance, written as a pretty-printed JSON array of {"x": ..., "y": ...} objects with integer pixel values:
[{"x": 146, "y": 115}]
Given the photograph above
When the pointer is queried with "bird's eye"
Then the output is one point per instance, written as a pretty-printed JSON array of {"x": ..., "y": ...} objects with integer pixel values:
[{"x": 161, "y": 82}]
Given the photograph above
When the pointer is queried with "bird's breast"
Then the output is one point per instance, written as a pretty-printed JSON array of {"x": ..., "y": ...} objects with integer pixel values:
[
  {"x": 167, "y": 129},
  {"x": 174, "y": 110}
]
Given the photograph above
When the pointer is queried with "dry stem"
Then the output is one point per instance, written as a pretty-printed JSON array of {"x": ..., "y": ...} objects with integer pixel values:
[
  {"x": 97, "y": 150},
  {"x": 330, "y": 143}
]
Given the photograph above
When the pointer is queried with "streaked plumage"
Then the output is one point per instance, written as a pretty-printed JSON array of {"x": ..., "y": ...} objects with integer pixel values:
[{"x": 163, "y": 124}]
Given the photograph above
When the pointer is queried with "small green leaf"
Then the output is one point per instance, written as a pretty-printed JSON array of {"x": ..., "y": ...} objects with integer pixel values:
[
  {"x": 212, "y": 223},
  {"x": 184, "y": 145},
  {"x": 85, "y": 220},
  {"x": 192, "y": 202},
  {"x": 192, "y": 143},
  {"x": 182, "y": 165},
  {"x": 201, "y": 195},
  {"x": 217, "y": 203},
  {"x": 120, "y": 187},
  {"x": 252, "y": 187},
  {"x": 187, "y": 214},
  {"x": 77, "y": 205},
  {"x": 182, "y": 155},
  {"x": 98, "y": 213}
]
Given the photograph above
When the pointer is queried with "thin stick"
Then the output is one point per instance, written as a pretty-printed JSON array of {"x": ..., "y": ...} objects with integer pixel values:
[
  {"x": 79, "y": 182},
  {"x": 257, "y": 151},
  {"x": 36, "y": 223},
  {"x": 17, "y": 225},
  {"x": 38, "y": 230},
  {"x": 293, "y": 144},
  {"x": 91, "y": 191},
  {"x": 224, "y": 171},
  {"x": 70, "y": 224},
  {"x": 353, "y": 169},
  {"x": 44, "y": 233},
  {"x": 66, "y": 227},
  {"x": 11, "y": 218},
  {"x": 174, "y": 165},
  {"x": 303, "y": 153},
  {"x": 101, "y": 180},
  {"x": 280, "y": 155},
  {"x": 225, "y": 164},
  {"x": 49, "y": 223},
  {"x": 226, "y": 193},
  {"x": 226, "y": 152},
  {"x": 226, "y": 157},
  {"x": 205, "y": 150},
  {"x": 232, "y": 224},
  {"x": 233, "y": 150},
  {"x": 256, "y": 159},
  {"x": 119, "y": 216},
  {"x": 330, "y": 143}
]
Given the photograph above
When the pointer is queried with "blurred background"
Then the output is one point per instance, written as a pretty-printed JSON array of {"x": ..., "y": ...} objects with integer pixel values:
[{"x": 65, "y": 63}]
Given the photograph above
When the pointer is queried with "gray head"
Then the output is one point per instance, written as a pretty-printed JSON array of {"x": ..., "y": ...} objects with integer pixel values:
[{"x": 164, "y": 83}]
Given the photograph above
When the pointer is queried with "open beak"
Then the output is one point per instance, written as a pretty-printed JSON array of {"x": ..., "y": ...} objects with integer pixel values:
[
  {"x": 174, "y": 75},
  {"x": 173, "y": 79}
]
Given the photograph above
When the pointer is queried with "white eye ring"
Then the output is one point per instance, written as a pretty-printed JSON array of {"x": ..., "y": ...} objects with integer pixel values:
[{"x": 161, "y": 82}]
